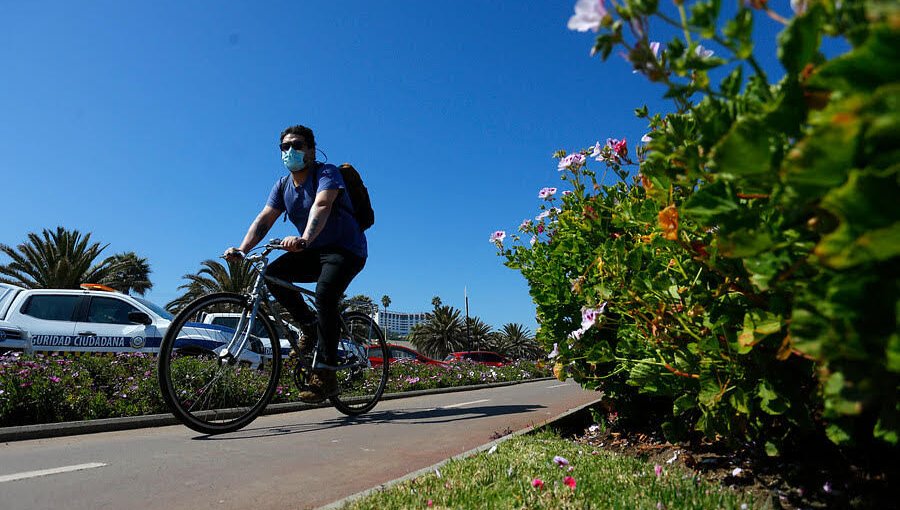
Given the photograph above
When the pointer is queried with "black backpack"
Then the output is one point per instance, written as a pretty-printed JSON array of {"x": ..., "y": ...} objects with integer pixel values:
[{"x": 359, "y": 195}]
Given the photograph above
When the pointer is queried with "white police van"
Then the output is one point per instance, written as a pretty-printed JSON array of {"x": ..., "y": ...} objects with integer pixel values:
[
  {"x": 99, "y": 319},
  {"x": 230, "y": 320}
]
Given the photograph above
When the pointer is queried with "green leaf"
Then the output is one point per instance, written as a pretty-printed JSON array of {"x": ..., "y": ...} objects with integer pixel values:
[
  {"x": 868, "y": 231},
  {"x": 758, "y": 324},
  {"x": 683, "y": 404},
  {"x": 745, "y": 243},
  {"x": 746, "y": 152},
  {"x": 710, "y": 203},
  {"x": 739, "y": 32},
  {"x": 837, "y": 433},
  {"x": 731, "y": 84},
  {"x": 866, "y": 67},
  {"x": 772, "y": 449},
  {"x": 799, "y": 42},
  {"x": 822, "y": 160},
  {"x": 703, "y": 17},
  {"x": 769, "y": 400}
]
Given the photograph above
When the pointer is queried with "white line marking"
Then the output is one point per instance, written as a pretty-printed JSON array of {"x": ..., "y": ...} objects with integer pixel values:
[
  {"x": 557, "y": 386},
  {"x": 466, "y": 403},
  {"x": 45, "y": 472}
]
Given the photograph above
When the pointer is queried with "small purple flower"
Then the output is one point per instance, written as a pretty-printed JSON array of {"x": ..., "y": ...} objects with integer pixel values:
[
  {"x": 566, "y": 193},
  {"x": 654, "y": 48},
  {"x": 589, "y": 15},
  {"x": 658, "y": 470},
  {"x": 525, "y": 224},
  {"x": 827, "y": 488},
  {"x": 561, "y": 461},
  {"x": 546, "y": 192},
  {"x": 55, "y": 379},
  {"x": 572, "y": 160}
]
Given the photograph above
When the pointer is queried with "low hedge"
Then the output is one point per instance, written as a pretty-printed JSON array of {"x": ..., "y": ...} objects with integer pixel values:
[{"x": 66, "y": 387}]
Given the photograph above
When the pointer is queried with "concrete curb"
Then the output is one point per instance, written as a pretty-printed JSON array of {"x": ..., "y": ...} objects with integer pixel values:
[
  {"x": 72, "y": 428},
  {"x": 430, "y": 469}
]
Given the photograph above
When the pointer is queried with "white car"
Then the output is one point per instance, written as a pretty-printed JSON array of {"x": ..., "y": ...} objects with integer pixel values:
[{"x": 99, "y": 319}]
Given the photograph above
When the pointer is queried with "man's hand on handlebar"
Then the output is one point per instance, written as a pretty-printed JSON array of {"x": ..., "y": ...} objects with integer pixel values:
[{"x": 293, "y": 243}]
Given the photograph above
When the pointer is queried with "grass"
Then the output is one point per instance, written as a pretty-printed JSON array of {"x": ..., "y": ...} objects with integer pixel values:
[{"x": 522, "y": 473}]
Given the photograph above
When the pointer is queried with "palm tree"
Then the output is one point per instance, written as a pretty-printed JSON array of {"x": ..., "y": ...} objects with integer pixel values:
[
  {"x": 361, "y": 303},
  {"x": 442, "y": 332},
  {"x": 214, "y": 277},
  {"x": 132, "y": 273},
  {"x": 436, "y": 301},
  {"x": 386, "y": 301},
  {"x": 479, "y": 334},
  {"x": 516, "y": 342},
  {"x": 63, "y": 259}
]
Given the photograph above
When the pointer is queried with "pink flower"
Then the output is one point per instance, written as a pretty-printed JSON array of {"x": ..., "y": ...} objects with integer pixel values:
[
  {"x": 576, "y": 160},
  {"x": 570, "y": 482},
  {"x": 537, "y": 482},
  {"x": 430, "y": 503},
  {"x": 561, "y": 461},
  {"x": 498, "y": 237},
  {"x": 525, "y": 224},
  {"x": 55, "y": 379},
  {"x": 654, "y": 48},
  {"x": 566, "y": 193},
  {"x": 658, "y": 470},
  {"x": 618, "y": 147},
  {"x": 589, "y": 15}
]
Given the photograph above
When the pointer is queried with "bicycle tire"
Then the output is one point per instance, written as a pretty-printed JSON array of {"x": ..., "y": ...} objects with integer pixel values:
[
  {"x": 356, "y": 396},
  {"x": 238, "y": 390}
]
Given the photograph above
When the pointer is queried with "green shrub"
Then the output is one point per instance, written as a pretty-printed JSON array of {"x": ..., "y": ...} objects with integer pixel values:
[{"x": 748, "y": 274}]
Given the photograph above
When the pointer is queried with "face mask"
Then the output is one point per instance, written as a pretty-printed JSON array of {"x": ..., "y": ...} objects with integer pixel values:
[{"x": 293, "y": 159}]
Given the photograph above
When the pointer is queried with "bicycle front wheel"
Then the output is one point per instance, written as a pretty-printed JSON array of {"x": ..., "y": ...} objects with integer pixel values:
[
  {"x": 211, "y": 383},
  {"x": 363, "y": 384}
]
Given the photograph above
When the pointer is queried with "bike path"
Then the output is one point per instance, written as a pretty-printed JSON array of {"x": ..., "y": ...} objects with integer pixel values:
[
  {"x": 290, "y": 460},
  {"x": 72, "y": 428}
]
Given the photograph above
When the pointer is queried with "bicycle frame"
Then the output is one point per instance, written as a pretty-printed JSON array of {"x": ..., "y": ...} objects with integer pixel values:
[{"x": 260, "y": 262}]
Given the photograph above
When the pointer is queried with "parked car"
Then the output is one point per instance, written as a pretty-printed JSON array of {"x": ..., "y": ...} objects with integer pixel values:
[
  {"x": 483, "y": 357},
  {"x": 400, "y": 353},
  {"x": 99, "y": 319}
]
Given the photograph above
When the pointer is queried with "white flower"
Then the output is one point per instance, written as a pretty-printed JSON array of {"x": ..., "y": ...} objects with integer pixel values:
[
  {"x": 702, "y": 52},
  {"x": 555, "y": 352},
  {"x": 737, "y": 471},
  {"x": 646, "y": 138},
  {"x": 588, "y": 15},
  {"x": 498, "y": 237}
]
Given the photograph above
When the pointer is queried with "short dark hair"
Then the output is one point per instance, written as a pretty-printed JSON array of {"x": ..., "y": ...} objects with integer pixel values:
[{"x": 299, "y": 130}]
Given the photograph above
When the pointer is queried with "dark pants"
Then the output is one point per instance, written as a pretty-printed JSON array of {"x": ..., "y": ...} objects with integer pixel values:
[{"x": 332, "y": 269}]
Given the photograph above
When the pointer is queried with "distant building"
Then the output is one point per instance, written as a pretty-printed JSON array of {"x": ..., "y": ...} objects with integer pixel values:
[{"x": 400, "y": 323}]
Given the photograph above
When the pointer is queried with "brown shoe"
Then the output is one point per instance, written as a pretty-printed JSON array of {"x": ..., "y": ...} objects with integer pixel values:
[
  {"x": 308, "y": 338},
  {"x": 322, "y": 384}
]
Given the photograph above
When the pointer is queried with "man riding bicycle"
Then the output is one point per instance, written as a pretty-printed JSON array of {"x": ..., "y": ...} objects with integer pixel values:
[{"x": 330, "y": 250}]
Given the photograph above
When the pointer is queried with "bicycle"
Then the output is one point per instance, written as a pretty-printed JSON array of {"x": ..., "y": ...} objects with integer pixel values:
[{"x": 217, "y": 379}]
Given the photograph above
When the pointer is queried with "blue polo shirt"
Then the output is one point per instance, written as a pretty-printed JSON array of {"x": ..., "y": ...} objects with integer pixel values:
[{"x": 341, "y": 228}]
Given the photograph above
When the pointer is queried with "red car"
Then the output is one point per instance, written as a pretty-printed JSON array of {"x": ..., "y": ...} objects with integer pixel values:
[
  {"x": 483, "y": 357},
  {"x": 400, "y": 353}
]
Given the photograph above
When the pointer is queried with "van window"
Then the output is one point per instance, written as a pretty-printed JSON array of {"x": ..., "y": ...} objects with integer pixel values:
[
  {"x": 232, "y": 322},
  {"x": 106, "y": 310},
  {"x": 51, "y": 307}
]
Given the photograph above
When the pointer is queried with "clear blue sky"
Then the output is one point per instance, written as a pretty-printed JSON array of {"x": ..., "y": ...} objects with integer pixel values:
[{"x": 153, "y": 125}]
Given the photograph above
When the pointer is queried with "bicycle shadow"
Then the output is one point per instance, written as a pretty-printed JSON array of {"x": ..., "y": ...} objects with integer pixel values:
[{"x": 414, "y": 416}]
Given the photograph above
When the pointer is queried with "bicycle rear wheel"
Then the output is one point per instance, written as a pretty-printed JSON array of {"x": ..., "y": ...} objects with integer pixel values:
[
  {"x": 209, "y": 389},
  {"x": 362, "y": 385}
]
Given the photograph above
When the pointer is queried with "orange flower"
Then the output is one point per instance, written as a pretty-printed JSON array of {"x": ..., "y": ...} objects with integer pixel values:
[{"x": 668, "y": 221}]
